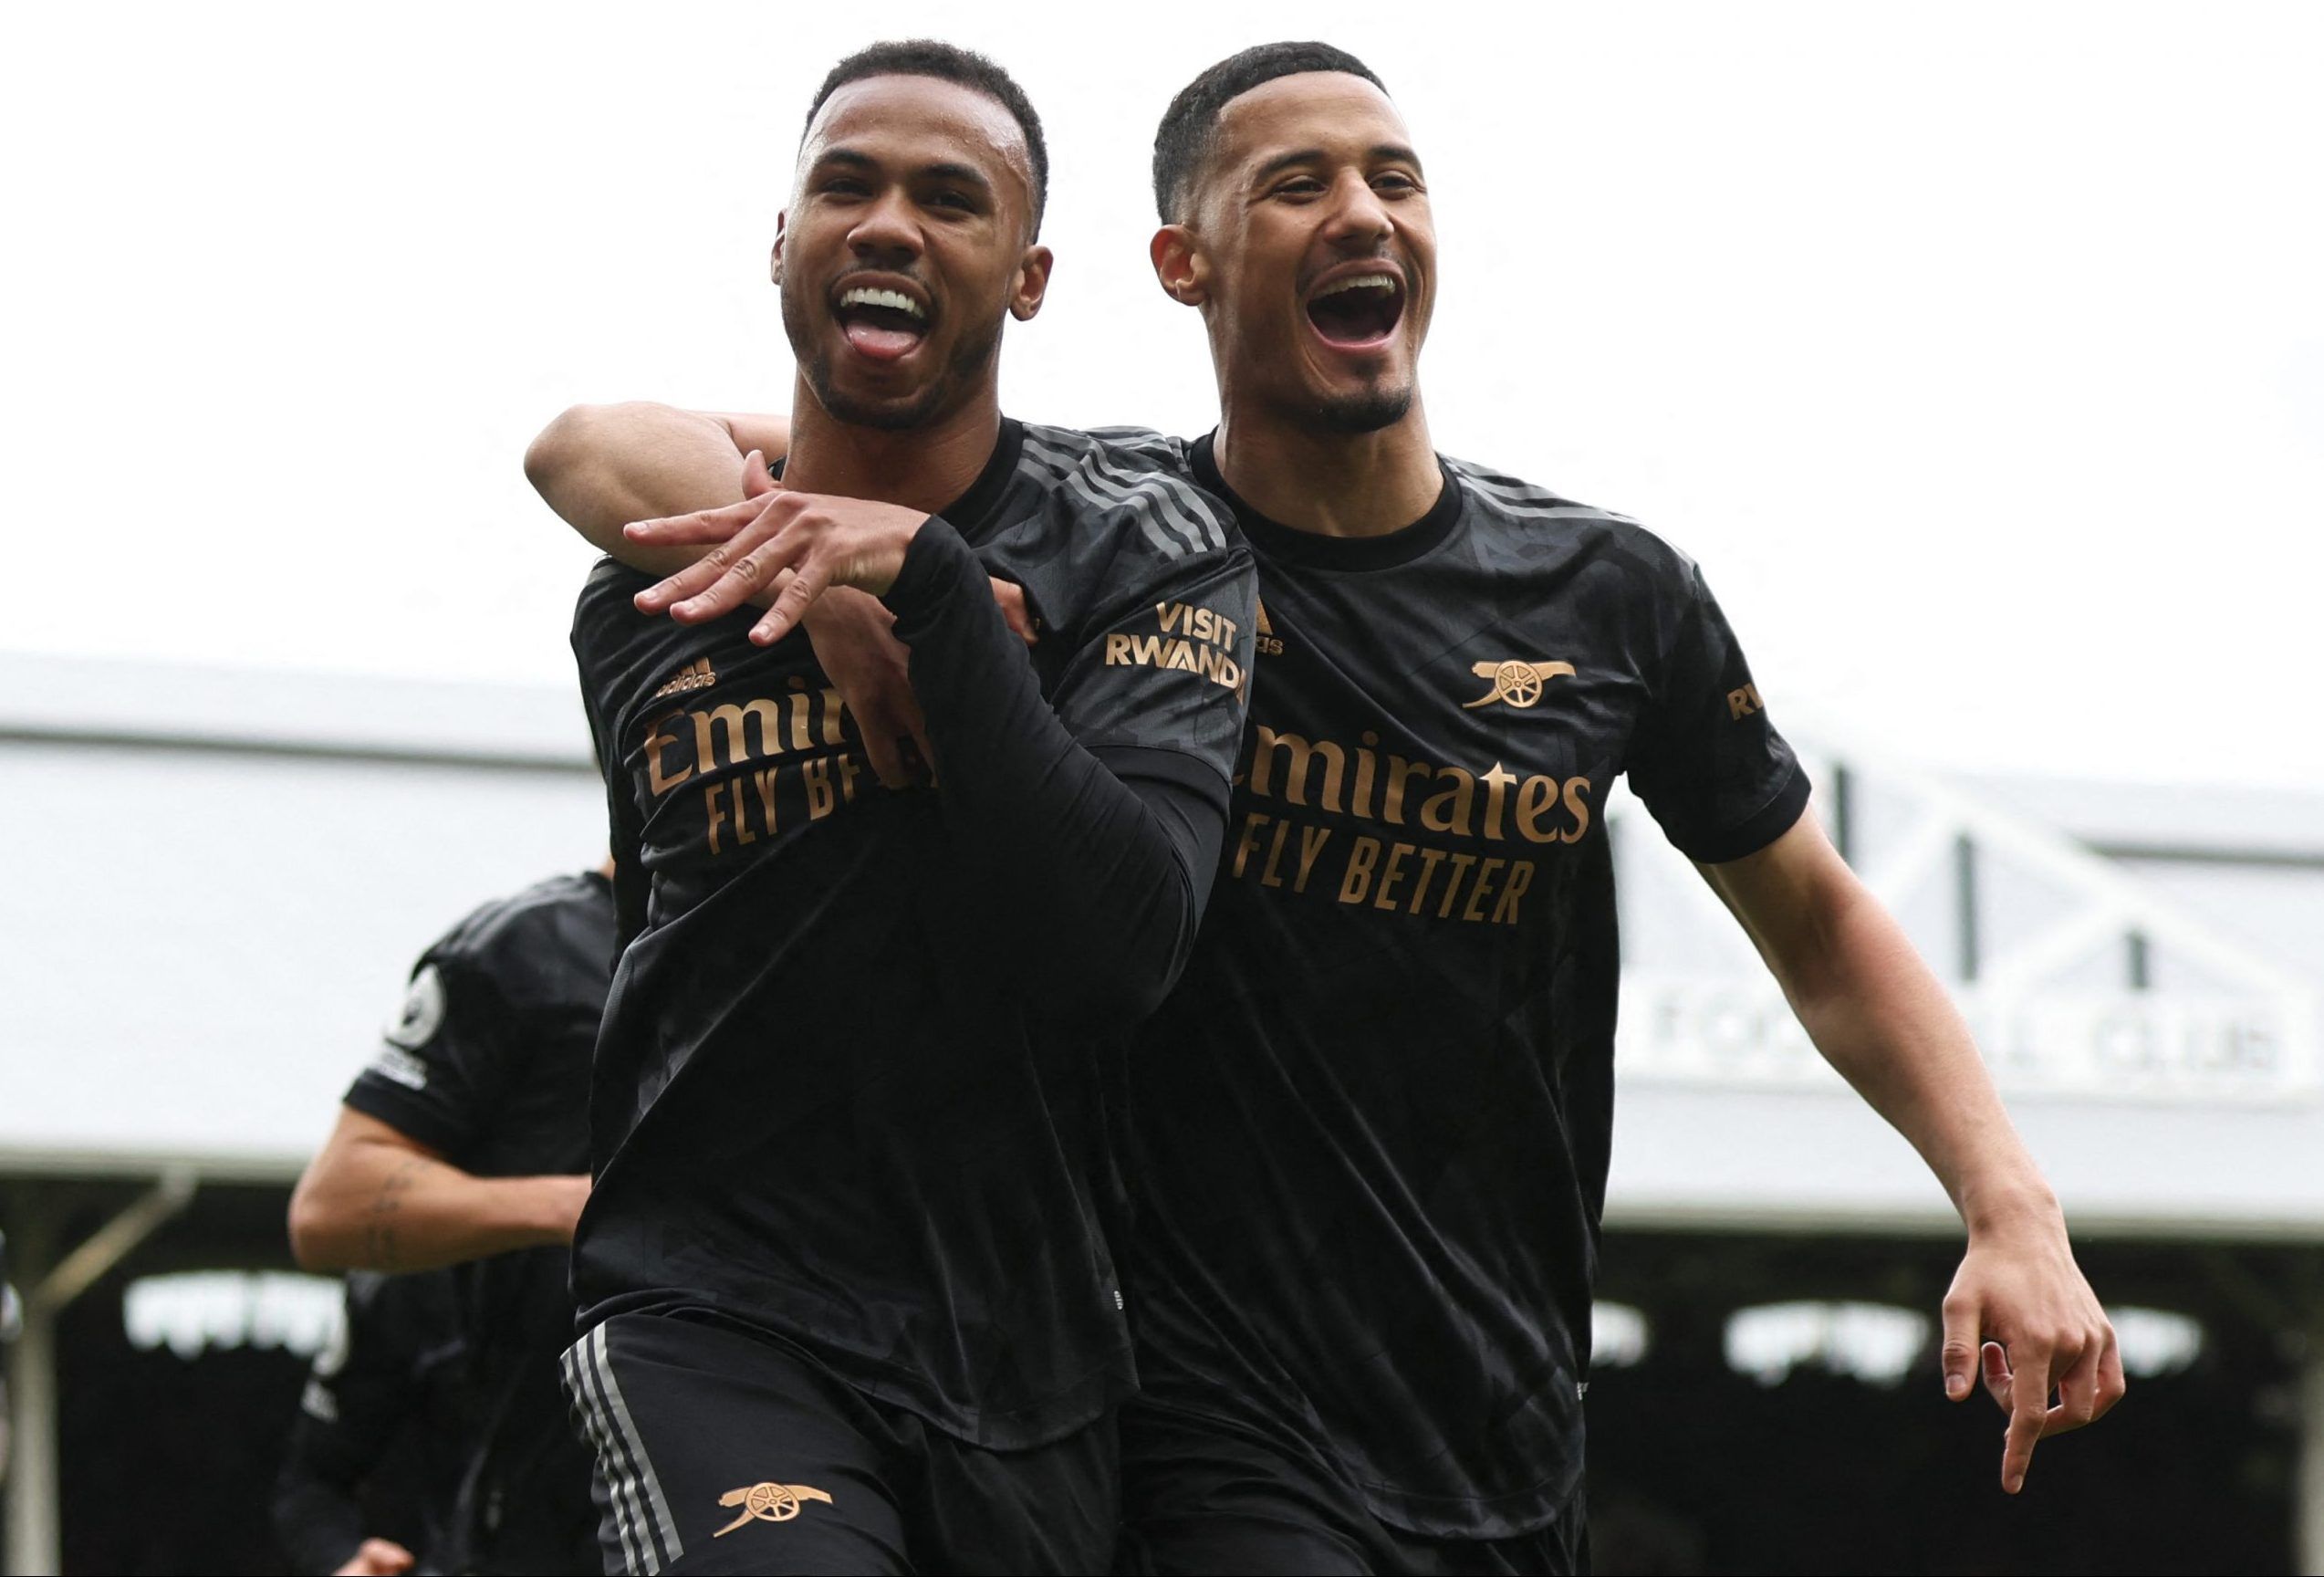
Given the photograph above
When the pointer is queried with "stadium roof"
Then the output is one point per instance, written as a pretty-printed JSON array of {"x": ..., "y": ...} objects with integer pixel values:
[{"x": 223, "y": 877}]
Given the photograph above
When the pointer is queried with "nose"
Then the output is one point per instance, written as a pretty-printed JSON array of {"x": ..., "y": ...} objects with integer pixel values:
[
  {"x": 1359, "y": 220},
  {"x": 886, "y": 231}
]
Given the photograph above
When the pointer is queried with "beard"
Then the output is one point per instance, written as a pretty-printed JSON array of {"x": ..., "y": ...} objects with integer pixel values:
[
  {"x": 1367, "y": 412},
  {"x": 967, "y": 364}
]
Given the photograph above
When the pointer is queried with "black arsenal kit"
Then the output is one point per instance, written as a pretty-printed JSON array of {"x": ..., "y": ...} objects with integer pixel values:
[
  {"x": 383, "y": 1433},
  {"x": 845, "y": 1126},
  {"x": 488, "y": 1064},
  {"x": 1367, "y": 1136}
]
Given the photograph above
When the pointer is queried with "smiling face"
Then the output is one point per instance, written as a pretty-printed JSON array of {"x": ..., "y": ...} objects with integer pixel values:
[
  {"x": 1310, "y": 248},
  {"x": 907, "y": 244}
]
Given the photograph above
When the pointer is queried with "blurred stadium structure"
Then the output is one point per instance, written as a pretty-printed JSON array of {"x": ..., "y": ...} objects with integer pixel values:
[{"x": 220, "y": 878}]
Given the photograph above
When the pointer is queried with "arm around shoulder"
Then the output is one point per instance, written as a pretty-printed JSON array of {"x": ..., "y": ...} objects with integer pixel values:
[{"x": 603, "y": 467}]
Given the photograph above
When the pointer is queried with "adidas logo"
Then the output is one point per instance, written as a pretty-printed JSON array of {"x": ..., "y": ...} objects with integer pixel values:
[
  {"x": 697, "y": 674},
  {"x": 1268, "y": 643}
]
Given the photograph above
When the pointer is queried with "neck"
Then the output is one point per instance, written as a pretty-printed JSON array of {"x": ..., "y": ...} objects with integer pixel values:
[
  {"x": 1332, "y": 484},
  {"x": 922, "y": 468}
]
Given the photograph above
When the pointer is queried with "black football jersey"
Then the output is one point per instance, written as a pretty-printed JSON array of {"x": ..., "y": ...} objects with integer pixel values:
[
  {"x": 488, "y": 1061},
  {"x": 1368, "y": 1134},
  {"x": 820, "y": 1106}
]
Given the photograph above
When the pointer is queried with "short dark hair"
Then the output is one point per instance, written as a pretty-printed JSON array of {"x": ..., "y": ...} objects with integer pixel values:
[
  {"x": 946, "y": 63},
  {"x": 1191, "y": 123}
]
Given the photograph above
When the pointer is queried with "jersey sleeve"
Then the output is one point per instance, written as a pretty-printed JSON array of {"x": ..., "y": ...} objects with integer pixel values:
[
  {"x": 1161, "y": 678},
  {"x": 1705, "y": 760},
  {"x": 1095, "y": 851},
  {"x": 443, "y": 1060}
]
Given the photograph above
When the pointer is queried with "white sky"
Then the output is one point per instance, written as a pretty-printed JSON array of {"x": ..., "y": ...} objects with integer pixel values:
[{"x": 1977, "y": 351}]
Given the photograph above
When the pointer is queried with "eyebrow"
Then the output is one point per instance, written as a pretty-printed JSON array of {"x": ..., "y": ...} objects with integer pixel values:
[
  {"x": 967, "y": 175},
  {"x": 1380, "y": 152}
]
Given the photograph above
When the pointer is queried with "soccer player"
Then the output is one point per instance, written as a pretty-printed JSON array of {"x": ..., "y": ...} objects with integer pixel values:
[
  {"x": 1370, "y": 1184},
  {"x": 381, "y": 1434},
  {"x": 845, "y": 1302},
  {"x": 1368, "y": 1134},
  {"x": 465, "y": 1144}
]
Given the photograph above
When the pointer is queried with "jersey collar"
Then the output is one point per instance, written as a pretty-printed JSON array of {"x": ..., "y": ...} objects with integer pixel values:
[
  {"x": 1291, "y": 545},
  {"x": 972, "y": 512}
]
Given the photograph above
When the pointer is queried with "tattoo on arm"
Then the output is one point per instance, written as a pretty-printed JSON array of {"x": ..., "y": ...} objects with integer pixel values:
[{"x": 379, "y": 1247}]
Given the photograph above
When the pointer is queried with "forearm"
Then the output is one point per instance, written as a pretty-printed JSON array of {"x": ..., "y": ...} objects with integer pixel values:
[
  {"x": 1881, "y": 1019},
  {"x": 1111, "y": 870},
  {"x": 603, "y": 467},
  {"x": 374, "y": 1207}
]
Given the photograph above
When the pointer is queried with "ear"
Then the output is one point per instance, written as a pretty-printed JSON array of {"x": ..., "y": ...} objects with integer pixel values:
[
  {"x": 775, "y": 258},
  {"x": 1180, "y": 264},
  {"x": 1032, "y": 283}
]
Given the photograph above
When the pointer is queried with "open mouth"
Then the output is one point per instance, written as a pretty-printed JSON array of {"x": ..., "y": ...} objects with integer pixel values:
[
  {"x": 1358, "y": 310},
  {"x": 883, "y": 324}
]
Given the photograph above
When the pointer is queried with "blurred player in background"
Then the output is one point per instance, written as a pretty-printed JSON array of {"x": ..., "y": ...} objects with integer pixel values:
[
  {"x": 1368, "y": 1134},
  {"x": 466, "y": 1144},
  {"x": 845, "y": 1300},
  {"x": 370, "y": 1476}
]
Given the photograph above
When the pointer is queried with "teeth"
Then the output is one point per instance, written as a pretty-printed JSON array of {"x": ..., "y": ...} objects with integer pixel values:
[
  {"x": 1357, "y": 282},
  {"x": 894, "y": 300}
]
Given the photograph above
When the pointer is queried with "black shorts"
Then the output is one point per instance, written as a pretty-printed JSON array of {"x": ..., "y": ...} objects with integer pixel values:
[
  {"x": 1200, "y": 1495},
  {"x": 725, "y": 1448}
]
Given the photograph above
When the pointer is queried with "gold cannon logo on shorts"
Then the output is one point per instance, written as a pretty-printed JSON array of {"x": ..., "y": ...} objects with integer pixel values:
[
  {"x": 1516, "y": 682},
  {"x": 767, "y": 1503}
]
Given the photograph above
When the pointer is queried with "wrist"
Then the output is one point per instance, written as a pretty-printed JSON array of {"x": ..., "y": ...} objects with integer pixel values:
[
  {"x": 552, "y": 1207},
  {"x": 936, "y": 561},
  {"x": 843, "y": 605},
  {"x": 2009, "y": 1206}
]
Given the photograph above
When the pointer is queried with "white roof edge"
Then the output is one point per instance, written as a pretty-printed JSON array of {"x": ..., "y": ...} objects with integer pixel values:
[
  {"x": 102, "y": 699},
  {"x": 90, "y": 1161},
  {"x": 2227, "y": 821}
]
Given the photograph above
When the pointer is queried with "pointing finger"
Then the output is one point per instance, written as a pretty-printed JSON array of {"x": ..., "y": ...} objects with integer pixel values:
[{"x": 2029, "y": 1417}]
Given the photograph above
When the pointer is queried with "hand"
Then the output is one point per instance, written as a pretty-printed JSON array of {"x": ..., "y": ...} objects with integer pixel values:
[
  {"x": 854, "y": 640},
  {"x": 821, "y": 540},
  {"x": 2020, "y": 1309},
  {"x": 377, "y": 1558}
]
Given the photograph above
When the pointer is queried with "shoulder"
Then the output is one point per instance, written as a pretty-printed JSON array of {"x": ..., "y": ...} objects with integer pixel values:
[
  {"x": 610, "y": 583},
  {"x": 605, "y": 619},
  {"x": 514, "y": 944},
  {"x": 1130, "y": 483},
  {"x": 1515, "y": 517},
  {"x": 626, "y": 657}
]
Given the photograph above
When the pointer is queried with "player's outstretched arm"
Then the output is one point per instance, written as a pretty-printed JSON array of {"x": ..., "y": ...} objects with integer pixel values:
[
  {"x": 2020, "y": 1305},
  {"x": 374, "y": 1198},
  {"x": 603, "y": 467}
]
